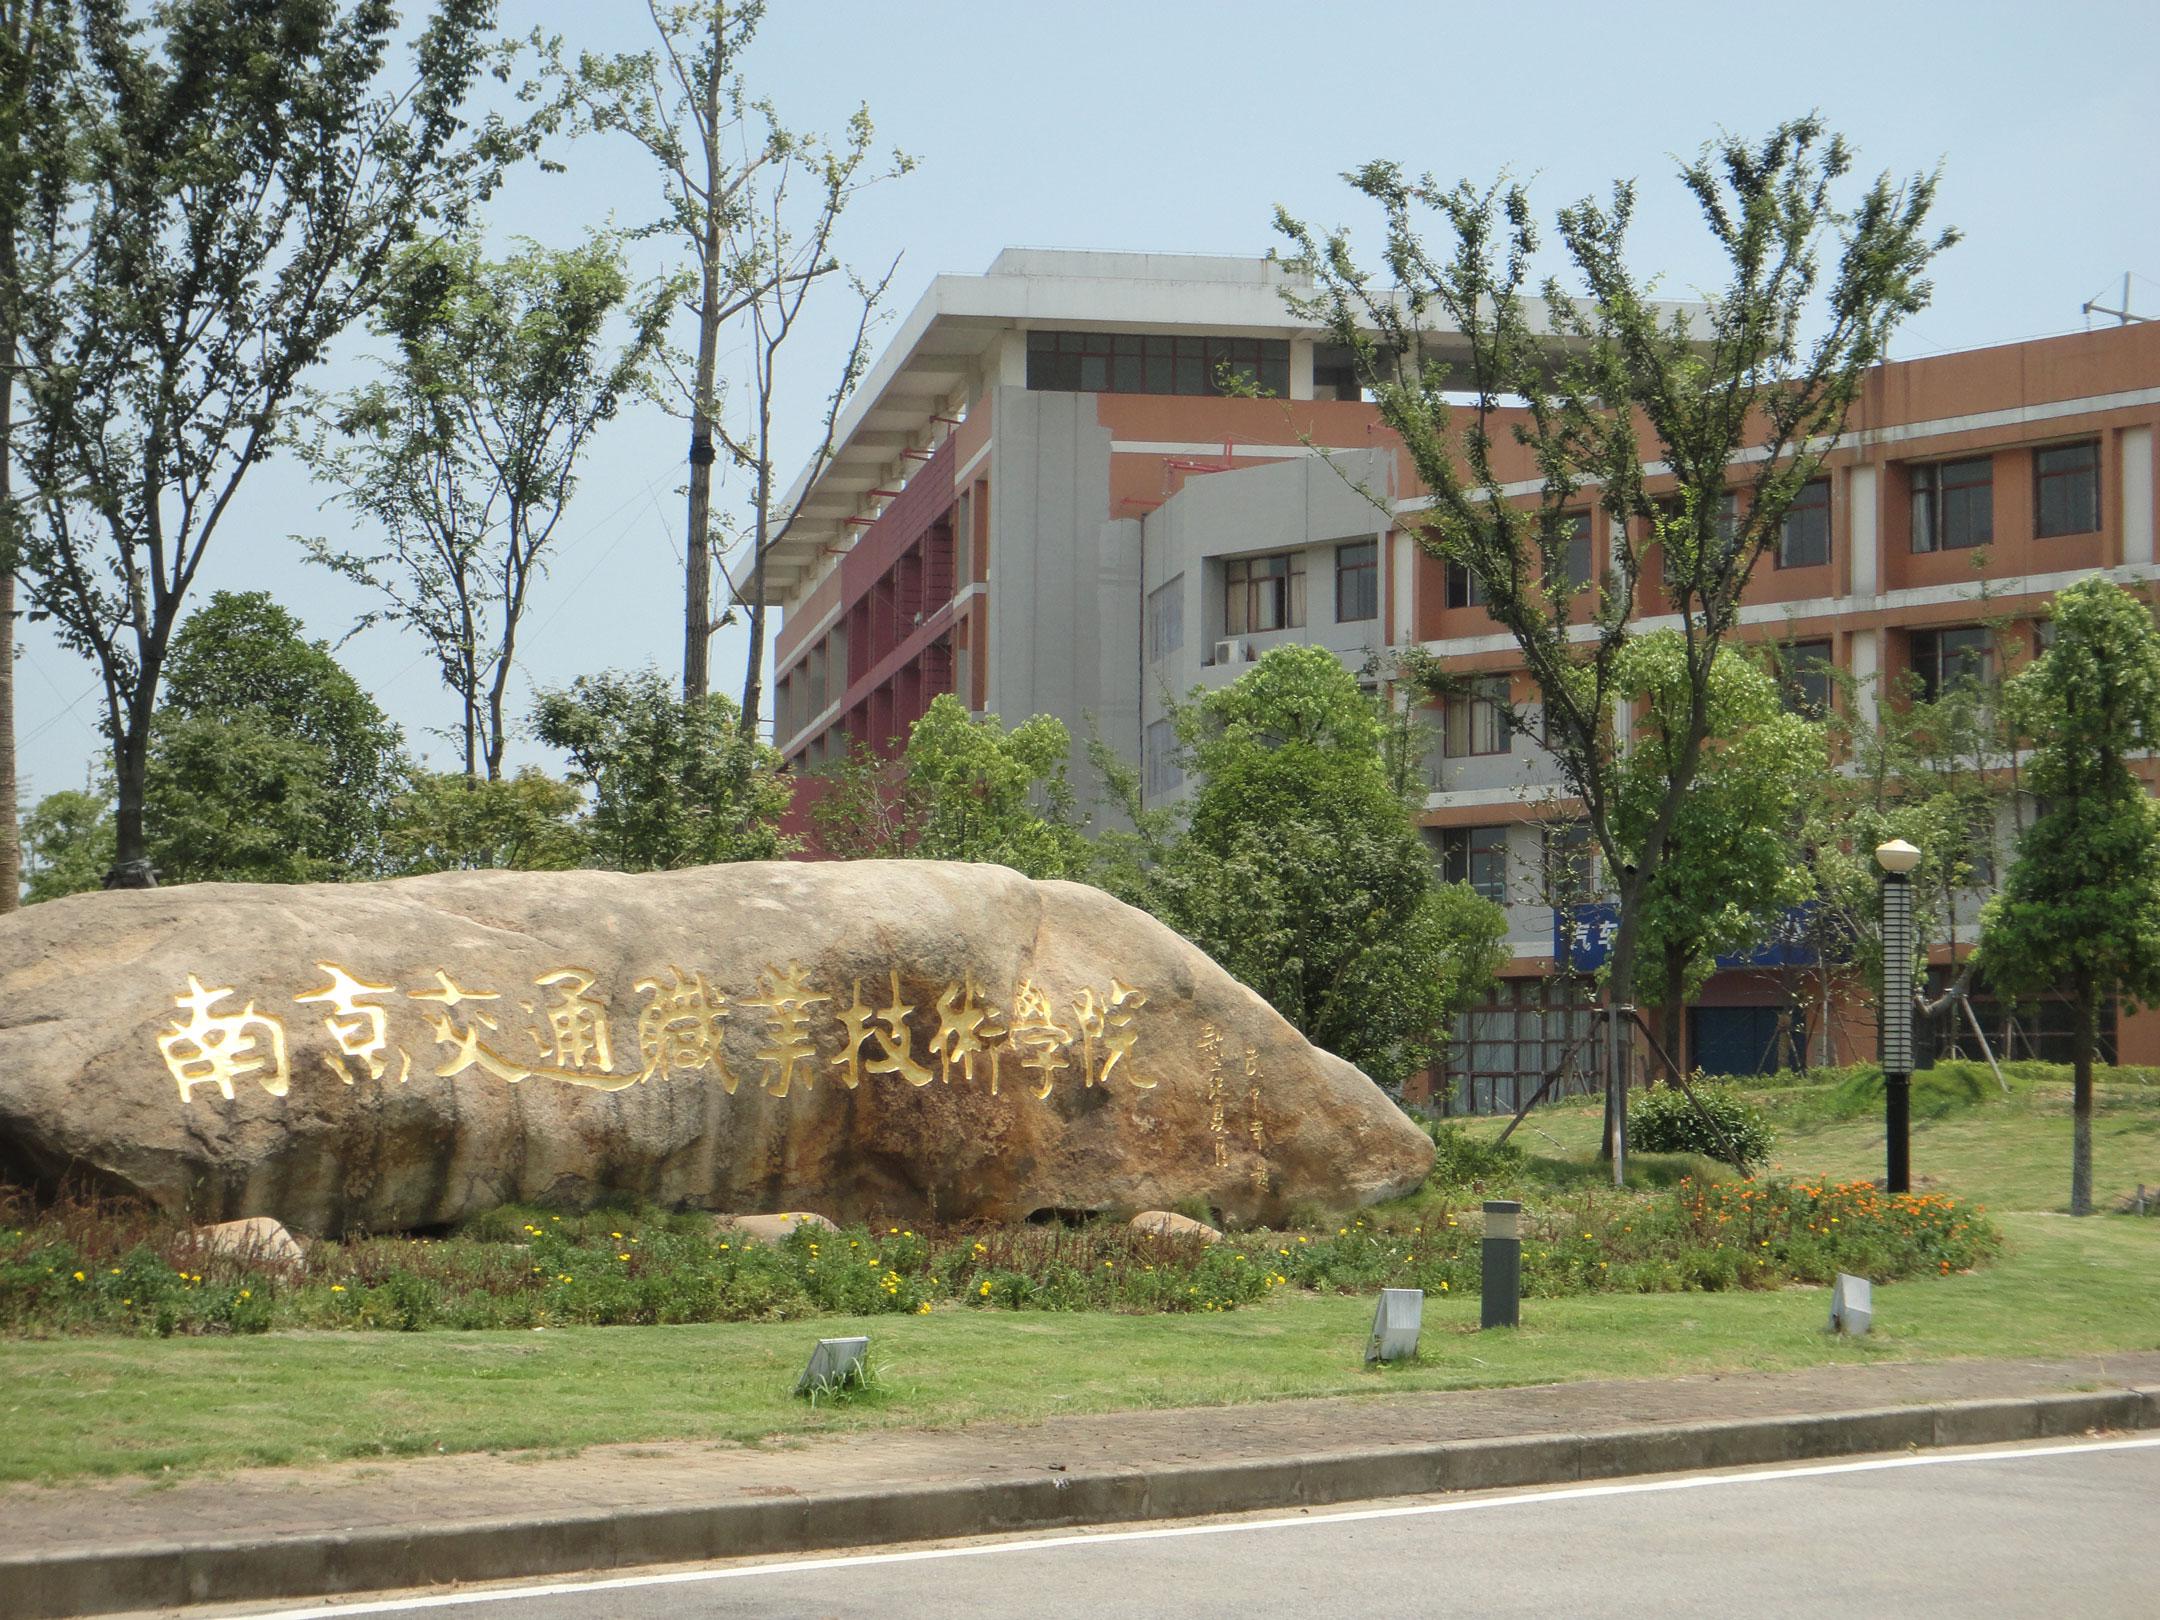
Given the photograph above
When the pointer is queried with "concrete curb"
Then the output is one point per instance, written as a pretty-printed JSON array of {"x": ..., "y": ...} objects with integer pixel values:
[{"x": 158, "y": 1575}]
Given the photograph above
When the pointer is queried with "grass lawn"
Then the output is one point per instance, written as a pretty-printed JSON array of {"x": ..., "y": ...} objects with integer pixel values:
[{"x": 108, "y": 1405}]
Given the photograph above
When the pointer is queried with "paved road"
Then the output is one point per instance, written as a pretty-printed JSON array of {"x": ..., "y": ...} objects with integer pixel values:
[{"x": 2045, "y": 1530}]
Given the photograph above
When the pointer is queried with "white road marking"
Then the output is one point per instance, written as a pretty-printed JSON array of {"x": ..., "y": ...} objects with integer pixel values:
[{"x": 1572, "y": 1493}]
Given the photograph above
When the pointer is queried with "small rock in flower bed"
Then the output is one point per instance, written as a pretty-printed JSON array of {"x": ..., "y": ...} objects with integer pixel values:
[
  {"x": 1167, "y": 1223},
  {"x": 772, "y": 1228},
  {"x": 258, "y": 1238}
]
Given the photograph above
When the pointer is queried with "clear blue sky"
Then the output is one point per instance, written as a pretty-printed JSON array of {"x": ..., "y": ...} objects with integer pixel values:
[{"x": 1178, "y": 126}]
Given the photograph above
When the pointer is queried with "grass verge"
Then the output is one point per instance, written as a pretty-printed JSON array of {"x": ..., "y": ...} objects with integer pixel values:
[{"x": 76, "y": 1407}]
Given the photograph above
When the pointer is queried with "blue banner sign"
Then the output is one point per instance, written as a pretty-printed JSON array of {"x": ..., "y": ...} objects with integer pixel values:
[{"x": 1583, "y": 937}]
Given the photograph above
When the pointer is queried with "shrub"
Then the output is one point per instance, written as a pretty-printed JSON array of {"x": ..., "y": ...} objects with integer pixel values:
[
  {"x": 1663, "y": 1120},
  {"x": 1461, "y": 1159}
]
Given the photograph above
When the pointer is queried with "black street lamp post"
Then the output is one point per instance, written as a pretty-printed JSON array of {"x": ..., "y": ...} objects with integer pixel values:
[{"x": 1897, "y": 860}]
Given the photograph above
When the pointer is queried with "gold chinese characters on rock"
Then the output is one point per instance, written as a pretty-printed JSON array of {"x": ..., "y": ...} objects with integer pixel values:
[{"x": 558, "y": 1027}]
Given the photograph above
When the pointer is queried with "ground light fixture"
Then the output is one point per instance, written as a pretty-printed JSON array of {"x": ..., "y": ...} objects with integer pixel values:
[
  {"x": 1897, "y": 860},
  {"x": 1500, "y": 1272},
  {"x": 1395, "y": 1324},
  {"x": 834, "y": 1364},
  {"x": 1852, "y": 1305}
]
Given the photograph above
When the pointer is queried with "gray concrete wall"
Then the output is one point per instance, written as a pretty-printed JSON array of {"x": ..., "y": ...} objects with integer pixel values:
[
  {"x": 1064, "y": 576},
  {"x": 1308, "y": 504}
]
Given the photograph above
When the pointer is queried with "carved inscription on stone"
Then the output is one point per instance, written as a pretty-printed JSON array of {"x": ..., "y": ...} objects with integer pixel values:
[{"x": 558, "y": 1026}]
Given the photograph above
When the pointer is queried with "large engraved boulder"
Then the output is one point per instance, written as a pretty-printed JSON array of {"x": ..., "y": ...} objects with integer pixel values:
[{"x": 926, "y": 1039}]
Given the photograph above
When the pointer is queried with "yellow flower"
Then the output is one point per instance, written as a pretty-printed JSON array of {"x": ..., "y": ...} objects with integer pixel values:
[
  {"x": 923, "y": 1309},
  {"x": 127, "y": 1302},
  {"x": 1443, "y": 1286},
  {"x": 617, "y": 1236},
  {"x": 79, "y": 1276},
  {"x": 985, "y": 1290},
  {"x": 245, "y": 1294},
  {"x": 723, "y": 1245},
  {"x": 622, "y": 1257},
  {"x": 116, "y": 1271},
  {"x": 339, "y": 1288}
]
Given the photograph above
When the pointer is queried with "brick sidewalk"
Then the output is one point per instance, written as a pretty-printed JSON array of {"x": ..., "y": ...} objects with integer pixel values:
[{"x": 435, "y": 1492}]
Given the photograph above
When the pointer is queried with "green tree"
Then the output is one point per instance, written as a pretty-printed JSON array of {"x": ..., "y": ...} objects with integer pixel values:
[
  {"x": 1760, "y": 378},
  {"x": 1298, "y": 866},
  {"x": 1732, "y": 865},
  {"x": 2080, "y": 909},
  {"x": 37, "y": 43},
  {"x": 450, "y": 822},
  {"x": 962, "y": 790},
  {"x": 67, "y": 843},
  {"x": 236, "y": 798},
  {"x": 674, "y": 780},
  {"x": 226, "y": 184},
  {"x": 466, "y": 456},
  {"x": 268, "y": 762}
]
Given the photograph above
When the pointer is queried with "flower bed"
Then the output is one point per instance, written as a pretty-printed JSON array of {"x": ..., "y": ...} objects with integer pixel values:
[{"x": 96, "y": 1267}]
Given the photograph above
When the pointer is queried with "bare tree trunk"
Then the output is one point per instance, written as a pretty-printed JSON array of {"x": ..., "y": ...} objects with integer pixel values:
[
  {"x": 754, "y": 675},
  {"x": 10, "y": 820},
  {"x": 2081, "y": 1097},
  {"x": 1619, "y": 994},
  {"x": 697, "y": 536},
  {"x": 131, "y": 760},
  {"x": 1675, "y": 1002},
  {"x": 10, "y": 823}
]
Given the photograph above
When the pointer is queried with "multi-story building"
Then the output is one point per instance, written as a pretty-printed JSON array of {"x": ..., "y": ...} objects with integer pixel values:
[{"x": 1041, "y": 502}]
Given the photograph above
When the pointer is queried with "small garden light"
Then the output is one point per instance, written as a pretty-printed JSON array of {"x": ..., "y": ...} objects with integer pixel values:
[
  {"x": 834, "y": 1364},
  {"x": 1395, "y": 1324},
  {"x": 1500, "y": 1301}
]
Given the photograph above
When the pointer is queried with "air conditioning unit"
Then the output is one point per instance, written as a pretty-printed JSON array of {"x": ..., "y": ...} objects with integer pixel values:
[{"x": 1235, "y": 650}]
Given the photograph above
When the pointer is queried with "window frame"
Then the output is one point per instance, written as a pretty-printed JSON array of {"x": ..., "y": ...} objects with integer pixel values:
[
  {"x": 1484, "y": 719},
  {"x": 1797, "y": 676},
  {"x": 1463, "y": 849},
  {"x": 1931, "y": 480},
  {"x": 1462, "y": 587},
  {"x": 1932, "y": 682},
  {"x": 1584, "y": 523},
  {"x": 1364, "y": 575},
  {"x": 2041, "y": 480},
  {"x": 1152, "y": 362},
  {"x": 1242, "y": 588},
  {"x": 1829, "y": 529},
  {"x": 1166, "y": 619}
]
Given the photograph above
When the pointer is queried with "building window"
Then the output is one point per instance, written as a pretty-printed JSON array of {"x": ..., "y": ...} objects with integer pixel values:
[
  {"x": 1357, "y": 581},
  {"x": 1476, "y": 721},
  {"x": 1463, "y": 589},
  {"x": 1523, "y": 1031},
  {"x": 1476, "y": 856},
  {"x": 1944, "y": 659},
  {"x": 1953, "y": 504},
  {"x": 1576, "y": 526},
  {"x": 2066, "y": 489},
  {"x": 1803, "y": 669},
  {"x": 1163, "y": 776},
  {"x": 1133, "y": 363},
  {"x": 1804, "y": 538},
  {"x": 1166, "y": 619},
  {"x": 1264, "y": 593},
  {"x": 1335, "y": 372}
]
